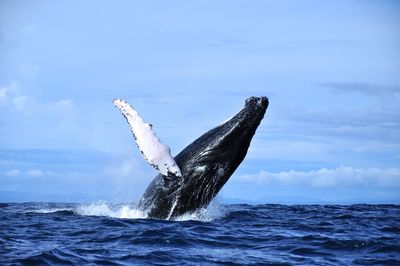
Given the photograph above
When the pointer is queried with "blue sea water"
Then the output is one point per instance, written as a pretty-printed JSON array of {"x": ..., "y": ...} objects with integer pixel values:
[{"x": 106, "y": 234}]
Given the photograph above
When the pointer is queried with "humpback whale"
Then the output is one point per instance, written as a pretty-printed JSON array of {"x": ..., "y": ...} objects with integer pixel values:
[{"x": 190, "y": 180}]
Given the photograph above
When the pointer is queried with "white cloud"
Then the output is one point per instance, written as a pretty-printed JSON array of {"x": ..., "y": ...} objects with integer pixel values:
[
  {"x": 13, "y": 97},
  {"x": 343, "y": 176},
  {"x": 13, "y": 172},
  {"x": 126, "y": 168},
  {"x": 6, "y": 92},
  {"x": 32, "y": 172},
  {"x": 374, "y": 115},
  {"x": 35, "y": 172},
  {"x": 29, "y": 69},
  {"x": 20, "y": 102},
  {"x": 363, "y": 88},
  {"x": 288, "y": 149},
  {"x": 63, "y": 104},
  {"x": 3, "y": 94}
]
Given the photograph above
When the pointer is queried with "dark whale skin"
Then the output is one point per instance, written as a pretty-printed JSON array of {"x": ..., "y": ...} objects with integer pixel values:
[{"x": 206, "y": 165}]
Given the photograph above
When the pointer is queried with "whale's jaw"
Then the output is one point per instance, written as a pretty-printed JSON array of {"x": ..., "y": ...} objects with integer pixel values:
[{"x": 206, "y": 165}]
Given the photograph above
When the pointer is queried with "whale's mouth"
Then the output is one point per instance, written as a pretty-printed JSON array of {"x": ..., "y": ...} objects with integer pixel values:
[
  {"x": 251, "y": 115},
  {"x": 228, "y": 143},
  {"x": 257, "y": 101},
  {"x": 256, "y": 105}
]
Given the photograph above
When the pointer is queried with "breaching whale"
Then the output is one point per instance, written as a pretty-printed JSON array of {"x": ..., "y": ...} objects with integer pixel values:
[{"x": 191, "y": 180}]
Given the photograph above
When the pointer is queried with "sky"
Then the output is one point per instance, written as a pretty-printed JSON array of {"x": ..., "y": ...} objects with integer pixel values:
[{"x": 330, "y": 69}]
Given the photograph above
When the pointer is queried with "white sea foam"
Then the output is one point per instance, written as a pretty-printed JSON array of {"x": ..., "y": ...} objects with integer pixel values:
[
  {"x": 130, "y": 211},
  {"x": 212, "y": 212},
  {"x": 115, "y": 211}
]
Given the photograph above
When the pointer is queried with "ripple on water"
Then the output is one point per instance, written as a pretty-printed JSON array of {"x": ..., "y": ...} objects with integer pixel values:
[{"x": 102, "y": 233}]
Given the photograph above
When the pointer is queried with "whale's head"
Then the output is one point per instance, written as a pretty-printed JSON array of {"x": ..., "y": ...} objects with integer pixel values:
[
  {"x": 210, "y": 160},
  {"x": 240, "y": 129}
]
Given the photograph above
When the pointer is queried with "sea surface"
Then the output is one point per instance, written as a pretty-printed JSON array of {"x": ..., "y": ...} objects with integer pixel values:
[{"x": 119, "y": 234}]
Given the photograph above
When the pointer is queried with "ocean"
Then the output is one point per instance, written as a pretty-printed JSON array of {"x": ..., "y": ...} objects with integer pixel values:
[{"x": 119, "y": 234}]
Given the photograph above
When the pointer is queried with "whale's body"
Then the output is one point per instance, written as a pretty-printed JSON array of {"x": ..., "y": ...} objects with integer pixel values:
[{"x": 205, "y": 165}]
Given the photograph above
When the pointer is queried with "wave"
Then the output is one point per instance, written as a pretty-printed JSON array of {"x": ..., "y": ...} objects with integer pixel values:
[
  {"x": 52, "y": 210},
  {"x": 105, "y": 233},
  {"x": 126, "y": 211}
]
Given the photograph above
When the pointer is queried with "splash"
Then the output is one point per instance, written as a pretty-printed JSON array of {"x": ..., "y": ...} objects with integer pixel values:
[
  {"x": 212, "y": 212},
  {"x": 110, "y": 210},
  {"x": 128, "y": 211}
]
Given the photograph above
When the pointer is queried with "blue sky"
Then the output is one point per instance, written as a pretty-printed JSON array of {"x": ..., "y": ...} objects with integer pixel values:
[{"x": 331, "y": 71}]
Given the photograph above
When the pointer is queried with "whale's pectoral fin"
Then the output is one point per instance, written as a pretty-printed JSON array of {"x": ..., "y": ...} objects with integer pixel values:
[{"x": 156, "y": 153}]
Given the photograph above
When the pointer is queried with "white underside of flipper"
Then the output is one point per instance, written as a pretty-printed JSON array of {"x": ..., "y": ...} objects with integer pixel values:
[{"x": 156, "y": 153}]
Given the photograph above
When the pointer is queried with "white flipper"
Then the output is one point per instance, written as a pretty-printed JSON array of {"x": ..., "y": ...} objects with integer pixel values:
[{"x": 156, "y": 153}]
